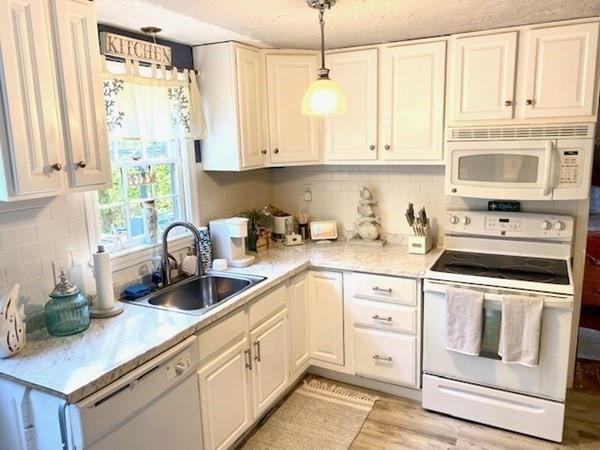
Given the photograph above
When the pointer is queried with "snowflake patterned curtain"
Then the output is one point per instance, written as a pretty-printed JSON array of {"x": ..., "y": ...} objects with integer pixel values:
[{"x": 151, "y": 103}]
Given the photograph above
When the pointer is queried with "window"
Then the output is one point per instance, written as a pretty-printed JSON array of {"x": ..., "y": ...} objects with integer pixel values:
[{"x": 141, "y": 171}]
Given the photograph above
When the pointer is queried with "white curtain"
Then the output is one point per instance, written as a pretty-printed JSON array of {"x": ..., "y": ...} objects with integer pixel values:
[{"x": 152, "y": 103}]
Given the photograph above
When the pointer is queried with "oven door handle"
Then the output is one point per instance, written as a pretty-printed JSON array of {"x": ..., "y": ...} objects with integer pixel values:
[
  {"x": 553, "y": 302},
  {"x": 547, "y": 168}
]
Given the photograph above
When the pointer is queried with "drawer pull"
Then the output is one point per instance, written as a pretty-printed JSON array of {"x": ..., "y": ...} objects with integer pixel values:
[
  {"x": 382, "y": 358},
  {"x": 248, "y": 359},
  {"x": 378, "y": 289},
  {"x": 387, "y": 319},
  {"x": 257, "y": 349}
]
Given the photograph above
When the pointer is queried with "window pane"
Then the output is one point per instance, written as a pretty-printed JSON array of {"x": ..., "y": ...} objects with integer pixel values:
[
  {"x": 159, "y": 149},
  {"x": 112, "y": 225},
  {"x": 166, "y": 212},
  {"x": 164, "y": 176},
  {"x": 136, "y": 220},
  {"x": 126, "y": 150},
  {"x": 115, "y": 193},
  {"x": 138, "y": 179}
]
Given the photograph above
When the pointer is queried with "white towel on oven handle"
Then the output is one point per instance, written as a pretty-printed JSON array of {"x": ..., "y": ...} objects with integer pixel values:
[
  {"x": 520, "y": 329},
  {"x": 464, "y": 321}
]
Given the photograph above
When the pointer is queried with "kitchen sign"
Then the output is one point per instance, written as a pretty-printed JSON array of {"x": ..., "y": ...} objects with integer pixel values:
[{"x": 126, "y": 47}]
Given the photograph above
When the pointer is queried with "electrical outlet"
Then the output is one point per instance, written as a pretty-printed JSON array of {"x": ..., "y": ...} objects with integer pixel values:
[{"x": 308, "y": 192}]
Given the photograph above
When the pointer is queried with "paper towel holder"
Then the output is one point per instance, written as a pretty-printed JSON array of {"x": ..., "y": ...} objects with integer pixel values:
[{"x": 102, "y": 313}]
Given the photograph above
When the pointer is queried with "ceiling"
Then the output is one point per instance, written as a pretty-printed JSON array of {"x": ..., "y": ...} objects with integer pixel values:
[{"x": 292, "y": 24}]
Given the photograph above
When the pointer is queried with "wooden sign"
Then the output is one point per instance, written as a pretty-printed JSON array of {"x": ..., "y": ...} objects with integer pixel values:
[{"x": 126, "y": 47}]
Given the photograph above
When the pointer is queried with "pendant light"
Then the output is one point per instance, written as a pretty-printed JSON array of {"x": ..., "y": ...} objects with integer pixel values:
[{"x": 323, "y": 97}]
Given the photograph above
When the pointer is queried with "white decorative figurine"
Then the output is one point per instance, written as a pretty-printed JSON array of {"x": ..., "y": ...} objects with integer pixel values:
[
  {"x": 367, "y": 225},
  {"x": 12, "y": 327}
]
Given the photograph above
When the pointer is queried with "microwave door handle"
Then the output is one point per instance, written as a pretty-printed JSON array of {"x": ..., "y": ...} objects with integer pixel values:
[{"x": 547, "y": 168}]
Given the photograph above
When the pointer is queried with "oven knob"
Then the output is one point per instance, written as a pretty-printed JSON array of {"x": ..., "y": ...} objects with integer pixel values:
[
  {"x": 546, "y": 225},
  {"x": 466, "y": 221},
  {"x": 453, "y": 220},
  {"x": 559, "y": 226}
]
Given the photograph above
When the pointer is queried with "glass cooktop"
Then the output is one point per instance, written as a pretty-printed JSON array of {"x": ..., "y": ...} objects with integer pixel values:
[{"x": 521, "y": 268}]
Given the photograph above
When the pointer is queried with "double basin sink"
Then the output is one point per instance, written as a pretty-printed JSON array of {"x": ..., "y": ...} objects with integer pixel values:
[{"x": 198, "y": 294}]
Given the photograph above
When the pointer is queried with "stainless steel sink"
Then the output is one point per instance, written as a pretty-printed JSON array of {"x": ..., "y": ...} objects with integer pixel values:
[{"x": 197, "y": 295}]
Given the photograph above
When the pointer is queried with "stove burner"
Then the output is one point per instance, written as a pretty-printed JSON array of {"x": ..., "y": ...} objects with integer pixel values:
[
  {"x": 466, "y": 268},
  {"x": 540, "y": 262},
  {"x": 526, "y": 273},
  {"x": 465, "y": 256}
]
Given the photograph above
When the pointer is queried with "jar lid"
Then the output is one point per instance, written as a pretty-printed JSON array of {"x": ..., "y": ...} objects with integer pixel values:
[{"x": 64, "y": 288}]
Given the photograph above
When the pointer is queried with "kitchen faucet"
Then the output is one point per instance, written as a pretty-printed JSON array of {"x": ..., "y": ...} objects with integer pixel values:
[{"x": 166, "y": 267}]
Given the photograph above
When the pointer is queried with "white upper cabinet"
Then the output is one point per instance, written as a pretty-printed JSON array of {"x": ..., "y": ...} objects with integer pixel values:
[
  {"x": 475, "y": 96},
  {"x": 53, "y": 117},
  {"x": 530, "y": 73},
  {"x": 294, "y": 138},
  {"x": 353, "y": 136},
  {"x": 412, "y": 102},
  {"x": 395, "y": 97}
]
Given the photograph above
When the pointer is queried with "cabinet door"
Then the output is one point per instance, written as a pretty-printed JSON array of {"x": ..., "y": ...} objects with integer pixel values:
[
  {"x": 29, "y": 90},
  {"x": 251, "y": 107},
  {"x": 225, "y": 397},
  {"x": 298, "y": 312},
  {"x": 326, "y": 317},
  {"x": 353, "y": 136},
  {"x": 292, "y": 136},
  {"x": 483, "y": 77},
  {"x": 561, "y": 70},
  {"x": 413, "y": 78},
  {"x": 79, "y": 74},
  {"x": 271, "y": 361}
]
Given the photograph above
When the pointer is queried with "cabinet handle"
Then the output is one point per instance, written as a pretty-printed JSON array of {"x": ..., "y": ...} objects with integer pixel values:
[
  {"x": 257, "y": 347},
  {"x": 378, "y": 289},
  {"x": 387, "y": 319},
  {"x": 264, "y": 152},
  {"x": 386, "y": 147},
  {"x": 57, "y": 167},
  {"x": 82, "y": 164},
  {"x": 529, "y": 102},
  {"x": 382, "y": 358},
  {"x": 276, "y": 150},
  {"x": 371, "y": 147},
  {"x": 507, "y": 103},
  {"x": 248, "y": 359}
]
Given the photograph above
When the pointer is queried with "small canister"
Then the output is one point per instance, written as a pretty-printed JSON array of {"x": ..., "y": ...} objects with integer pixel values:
[{"x": 67, "y": 312}]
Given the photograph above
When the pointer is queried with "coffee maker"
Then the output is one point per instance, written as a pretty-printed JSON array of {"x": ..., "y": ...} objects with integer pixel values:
[{"x": 228, "y": 238}]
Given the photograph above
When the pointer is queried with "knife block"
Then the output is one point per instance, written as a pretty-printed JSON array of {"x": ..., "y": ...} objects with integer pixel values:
[{"x": 420, "y": 244}]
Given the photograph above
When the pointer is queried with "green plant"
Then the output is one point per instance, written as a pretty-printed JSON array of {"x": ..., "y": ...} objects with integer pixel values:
[{"x": 255, "y": 217}]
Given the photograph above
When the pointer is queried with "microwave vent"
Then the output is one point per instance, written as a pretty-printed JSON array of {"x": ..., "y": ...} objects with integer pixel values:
[{"x": 535, "y": 132}]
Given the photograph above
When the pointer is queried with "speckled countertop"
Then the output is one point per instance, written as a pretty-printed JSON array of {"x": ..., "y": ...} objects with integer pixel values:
[{"x": 76, "y": 366}]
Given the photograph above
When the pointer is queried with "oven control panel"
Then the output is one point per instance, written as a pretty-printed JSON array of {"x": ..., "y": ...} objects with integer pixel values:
[{"x": 511, "y": 224}]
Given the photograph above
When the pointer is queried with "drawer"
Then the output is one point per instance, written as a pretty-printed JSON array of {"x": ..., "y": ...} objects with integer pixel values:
[
  {"x": 387, "y": 316},
  {"x": 385, "y": 356},
  {"x": 382, "y": 287},
  {"x": 267, "y": 305},
  {"x": 221, "y": 333}
]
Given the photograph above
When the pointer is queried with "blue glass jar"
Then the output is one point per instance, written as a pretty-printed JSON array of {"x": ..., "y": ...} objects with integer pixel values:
[{"x": 67, "y": 312}]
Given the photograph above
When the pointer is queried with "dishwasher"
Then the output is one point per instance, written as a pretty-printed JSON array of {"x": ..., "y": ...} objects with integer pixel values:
[{"x": 153, "y": 407}]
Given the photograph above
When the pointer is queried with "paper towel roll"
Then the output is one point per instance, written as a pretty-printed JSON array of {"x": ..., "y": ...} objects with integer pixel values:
[{"x": 105, "y": 298}]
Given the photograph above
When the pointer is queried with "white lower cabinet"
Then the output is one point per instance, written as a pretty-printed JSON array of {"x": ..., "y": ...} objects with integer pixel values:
[
  {"x": 244, "y": 377},
  {"x": 299, "y": 332}
]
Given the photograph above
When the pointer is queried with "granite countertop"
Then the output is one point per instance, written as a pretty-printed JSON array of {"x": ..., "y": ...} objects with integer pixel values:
[{"x": 76, "y": 366}]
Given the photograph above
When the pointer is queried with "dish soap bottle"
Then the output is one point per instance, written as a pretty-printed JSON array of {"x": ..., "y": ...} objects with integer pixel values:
[{"x": 67, "y": 312}]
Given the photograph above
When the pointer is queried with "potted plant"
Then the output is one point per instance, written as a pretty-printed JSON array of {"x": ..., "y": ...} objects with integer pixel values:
[{"x": 256, "y": 220}]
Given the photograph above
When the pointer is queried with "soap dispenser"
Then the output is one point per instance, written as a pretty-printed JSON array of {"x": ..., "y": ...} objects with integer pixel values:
[{"x": 67, "y": 312}]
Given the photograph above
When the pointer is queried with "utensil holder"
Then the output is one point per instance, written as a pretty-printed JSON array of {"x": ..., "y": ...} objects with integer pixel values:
[{"x": 420, "y": 244}]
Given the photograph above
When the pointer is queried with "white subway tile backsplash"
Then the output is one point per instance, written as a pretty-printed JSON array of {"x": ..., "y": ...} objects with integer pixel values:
[
  {"x": 20, "y": 236},
  {"x": 23, "y": 272},
  {"x": 10, "y": 258},
  {"x": 52, "y": 230},
  {"x": 36, "y": 251}
]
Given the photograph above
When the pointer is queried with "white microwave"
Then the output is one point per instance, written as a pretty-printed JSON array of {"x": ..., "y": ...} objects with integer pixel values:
[{"x": 520, "y": 163}]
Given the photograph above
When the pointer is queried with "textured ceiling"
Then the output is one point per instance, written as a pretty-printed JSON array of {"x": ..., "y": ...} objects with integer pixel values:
[{"x": 292, "y": 24}]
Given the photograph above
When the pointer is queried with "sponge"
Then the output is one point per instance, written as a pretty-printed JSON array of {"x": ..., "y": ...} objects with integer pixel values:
[{"x": 136, "y": 291}]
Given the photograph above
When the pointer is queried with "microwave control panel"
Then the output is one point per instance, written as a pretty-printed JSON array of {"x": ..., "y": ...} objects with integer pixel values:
[{"x": 571, "y": 168}]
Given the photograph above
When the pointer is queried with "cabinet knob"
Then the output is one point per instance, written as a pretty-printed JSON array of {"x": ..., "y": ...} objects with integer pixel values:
[
  {"x": 264, "y": 152},
  {"x": 179, "y": 369},
  {"x": 371, "y": 147},
  {"x": 507, "y": 103},
  {"x": 387, "y": 147},
  {"x": 82, "y": 164},
  {"x": 529, "y": 102},
  {"x": 57, "y": 167},
  {"x": 276, "y": 150}
]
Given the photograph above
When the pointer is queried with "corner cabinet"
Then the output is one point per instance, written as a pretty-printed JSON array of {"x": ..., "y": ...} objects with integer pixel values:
[
  {"x": 252, "y": 101},
  {"x": 403, "y": 86},
  {"x": 52, "y": 133},
  {"x": 529, "y": 73}
]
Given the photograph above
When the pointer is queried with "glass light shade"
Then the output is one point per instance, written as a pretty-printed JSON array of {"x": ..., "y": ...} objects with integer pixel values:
[{"x": 323, "y": 98}]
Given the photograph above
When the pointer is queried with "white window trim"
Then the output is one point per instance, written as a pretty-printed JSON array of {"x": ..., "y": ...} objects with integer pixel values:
[{"x": 134, "y": 256}]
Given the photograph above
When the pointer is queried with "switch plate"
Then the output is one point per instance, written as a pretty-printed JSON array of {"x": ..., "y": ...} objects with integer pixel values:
[{"x": 308, "y": 192}]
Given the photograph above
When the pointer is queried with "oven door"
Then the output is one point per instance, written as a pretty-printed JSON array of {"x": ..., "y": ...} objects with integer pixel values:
[
  {"x": 547, "y": 380},
  {"x": 510, "y": 170}
]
